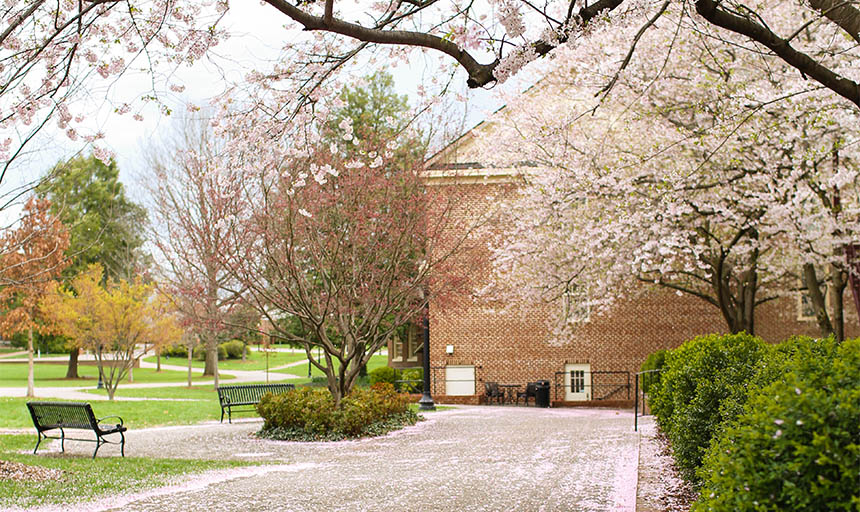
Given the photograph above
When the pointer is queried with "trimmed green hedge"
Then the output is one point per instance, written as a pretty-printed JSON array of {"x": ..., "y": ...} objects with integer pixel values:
[
  {"x": 309, "y": 414},
  {"x": 655, "y": 361},
  {"x": 697, "y": 377},
  {"x": 796, "y": 446}
]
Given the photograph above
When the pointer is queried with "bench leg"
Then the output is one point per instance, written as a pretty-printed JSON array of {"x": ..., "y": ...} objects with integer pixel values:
[
  {"x": 62, "y": 440},
  {"x": 122, "y": 444},
  {"x": 222, "y": 415},
  {"x": 98, "y": 445},
  {"x": 230, "y": 415},
  {"x": 38, "y": 443}
]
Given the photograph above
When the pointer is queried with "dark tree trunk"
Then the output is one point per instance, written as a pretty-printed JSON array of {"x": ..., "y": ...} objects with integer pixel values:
[
  {"x": 818, "y": 299},
  {"x": 838, "y": 304},
  {"x": 211, "y": 359},
  {"x": 72, "y": 368}
]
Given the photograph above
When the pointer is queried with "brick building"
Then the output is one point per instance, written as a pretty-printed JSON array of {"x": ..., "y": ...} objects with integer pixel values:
[{"x": 476, "y": 343}]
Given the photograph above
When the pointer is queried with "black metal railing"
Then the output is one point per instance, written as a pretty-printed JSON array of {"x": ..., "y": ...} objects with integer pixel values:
[
  {"x": 646, "y": 378},
  {"x": 597, "y": 385},
  {"x": 435, "y": 372}
]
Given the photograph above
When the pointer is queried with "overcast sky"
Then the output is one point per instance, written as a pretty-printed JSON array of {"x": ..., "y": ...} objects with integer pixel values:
[{"x": 257, "y": 35}]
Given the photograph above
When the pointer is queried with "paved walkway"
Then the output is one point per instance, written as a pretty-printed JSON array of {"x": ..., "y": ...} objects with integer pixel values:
[{"x": 469, "y": 459}]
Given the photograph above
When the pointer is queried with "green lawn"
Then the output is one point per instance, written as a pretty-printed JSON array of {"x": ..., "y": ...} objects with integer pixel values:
[
  {"x": 302, "y": 370},
  {"x": 255, "y": 361},
  {"x": 86, "y": 479},
  {"x": 53, "y": 375},
  {"x": 135, "y": 414}
]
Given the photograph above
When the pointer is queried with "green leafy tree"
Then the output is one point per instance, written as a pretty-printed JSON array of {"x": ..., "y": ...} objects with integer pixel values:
[
  {"x": 372, "y": 111},
  {"x": 105, "y": 227}
]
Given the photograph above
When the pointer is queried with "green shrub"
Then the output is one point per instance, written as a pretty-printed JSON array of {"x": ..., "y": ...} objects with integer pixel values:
[
  {"x": 697, "y": 377},
  {"x": 777, "y": 361},
  {"x": 797, "y": 444},
  {"x": 233, "y": 349},
  {"x": 310, "y": 413},
  {"x": 175, "y": 350},
  {"x": 382, "y": 374},
  {"x": 414, "y": 374},
  {"x": 199, "y": 353},
  {"x": 655, "y": 361}
]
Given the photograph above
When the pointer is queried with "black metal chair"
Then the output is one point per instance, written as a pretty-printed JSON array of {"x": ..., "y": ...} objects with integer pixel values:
[
  {"x": 492, "y": 392},
  {"x": 530, "y": 391}
]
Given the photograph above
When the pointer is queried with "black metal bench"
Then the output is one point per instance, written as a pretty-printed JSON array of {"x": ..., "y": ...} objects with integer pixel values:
[
  {"x": 73, "y": 415},
  {"x": 247, "y": 394}
]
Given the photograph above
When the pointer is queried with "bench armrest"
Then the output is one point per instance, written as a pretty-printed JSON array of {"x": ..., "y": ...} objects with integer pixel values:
[{"x": 107, "y": 417}]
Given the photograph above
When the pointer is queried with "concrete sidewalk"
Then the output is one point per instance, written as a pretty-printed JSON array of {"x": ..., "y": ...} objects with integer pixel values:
[{"x": 466, "y": 459}]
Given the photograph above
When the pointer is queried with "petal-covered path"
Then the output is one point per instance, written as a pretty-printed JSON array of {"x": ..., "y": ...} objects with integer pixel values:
[{"x": 469, "y": 458}]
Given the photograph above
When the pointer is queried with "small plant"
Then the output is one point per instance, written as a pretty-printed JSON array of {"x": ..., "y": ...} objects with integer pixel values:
[
  {"x": 309, "y": 414},
  {"x": 233, "y": 349},
  {"x": 382, "y": 374},
  {"x": 796, "y": 446},
  {"x": 175, "y": 350},
  {"x": 412, "y": 374}
]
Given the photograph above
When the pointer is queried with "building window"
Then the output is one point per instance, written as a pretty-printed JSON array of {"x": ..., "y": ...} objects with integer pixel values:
[{"x": 407, "y": 344}]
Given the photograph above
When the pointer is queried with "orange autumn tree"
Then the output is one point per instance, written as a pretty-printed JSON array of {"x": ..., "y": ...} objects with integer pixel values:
[
  {"x": 116, "y": 321},
  {"x": 31, "y": 258}
]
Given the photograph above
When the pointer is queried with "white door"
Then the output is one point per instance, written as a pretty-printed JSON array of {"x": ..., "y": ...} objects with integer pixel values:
[
  {"x": 577, "y": 382},
  {"x": 459, "y": 380}
]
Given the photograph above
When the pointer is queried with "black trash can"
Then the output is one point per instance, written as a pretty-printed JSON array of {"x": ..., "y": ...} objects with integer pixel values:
[{"x": 542, "y": 393}]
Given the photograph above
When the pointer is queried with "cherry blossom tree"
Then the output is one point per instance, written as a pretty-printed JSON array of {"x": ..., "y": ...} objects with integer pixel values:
[
  {"x": 192, "y": 197},
  {"x": 353, "y": 247},
  {"x": 31, "y": 256},
  {"x": 709, "y": 173},
  {"x": 516, "y": 32},
  {"x": 53, "y": 54}
]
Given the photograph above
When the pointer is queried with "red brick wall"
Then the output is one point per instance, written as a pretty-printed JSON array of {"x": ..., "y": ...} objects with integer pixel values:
[{"x": 516, "y": 347}]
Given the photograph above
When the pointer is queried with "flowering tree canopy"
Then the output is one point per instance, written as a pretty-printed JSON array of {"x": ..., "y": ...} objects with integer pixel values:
[
  {"x": 712, "y": 173},
  {"x": 350, "y": 245},
  {"x": 192, "y": 197},
  {"x": 53, "y": 53}
]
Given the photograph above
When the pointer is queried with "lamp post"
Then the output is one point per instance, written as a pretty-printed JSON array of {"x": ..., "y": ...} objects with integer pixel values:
[{"x": 426, "y": 402}]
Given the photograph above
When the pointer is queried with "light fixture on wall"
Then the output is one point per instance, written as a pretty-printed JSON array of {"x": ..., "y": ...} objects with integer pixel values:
[{"x": 449, "y": 349}]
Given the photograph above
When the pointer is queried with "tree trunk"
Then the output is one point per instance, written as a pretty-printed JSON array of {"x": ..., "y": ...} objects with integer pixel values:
[
  {"x": 190, "y": 347},
  {"x": 158, "y": 360},
  {"x": 211, "y": 357},
  {"x": 31, "y": 380},
  {"x": 818, "y": 299},
  {"x": 837, "y": 277},
  {"x": 72, "y": 369},
  {"x": 131, "y": 371}
]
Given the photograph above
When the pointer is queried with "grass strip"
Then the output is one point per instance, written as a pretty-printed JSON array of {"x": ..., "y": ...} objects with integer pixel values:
[
  {"x": 84, "y": 479},
  {"x": 135, "y": 414},
  {"x": 53, "y": 375}
]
